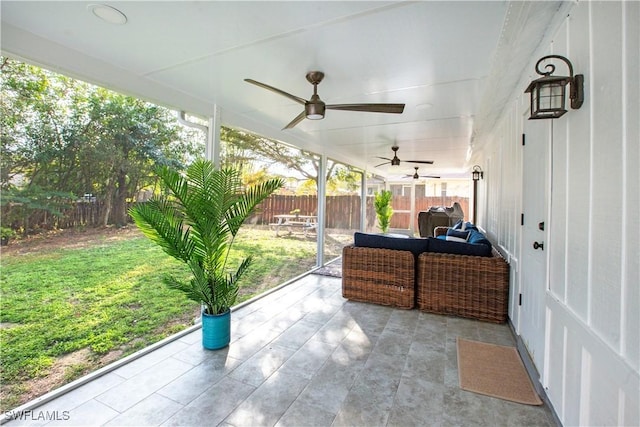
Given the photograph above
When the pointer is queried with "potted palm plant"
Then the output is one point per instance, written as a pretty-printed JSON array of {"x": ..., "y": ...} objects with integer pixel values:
[{"x": 196, "y": 220}]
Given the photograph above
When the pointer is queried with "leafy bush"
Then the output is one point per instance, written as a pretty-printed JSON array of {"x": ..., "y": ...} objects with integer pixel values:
[
  {"x": 20, "y": 206},
  {"x": 7, "y": 233},
  {"x": 384, "y": 211}
]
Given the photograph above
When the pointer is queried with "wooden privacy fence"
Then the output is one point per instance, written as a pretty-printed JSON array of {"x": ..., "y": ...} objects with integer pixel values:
[
  {"x": 77, "y": 214},
  {"x": 343, "y": 212}
]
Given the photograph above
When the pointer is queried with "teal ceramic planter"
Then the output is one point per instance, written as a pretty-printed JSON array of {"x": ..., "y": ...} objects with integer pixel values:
[{"x": 216, "y": 330}]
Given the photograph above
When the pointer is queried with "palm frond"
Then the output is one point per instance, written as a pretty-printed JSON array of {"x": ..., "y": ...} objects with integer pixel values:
[
  {"x": 247, "y": 202},
  {"x": 197, "y": 223},
  {"x": 190, "y": 289},
  {"x": 160, "y": 221}
]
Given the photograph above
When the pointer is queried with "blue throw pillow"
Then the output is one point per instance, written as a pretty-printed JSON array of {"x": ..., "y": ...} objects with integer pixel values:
[
  {"x": 478, "y": 238},
  {"x": 457, "y": 235},
  {"x": 366, "y": 240},
  {"x": 458, "y": 248},
  {"x": 464, "y": 225}
]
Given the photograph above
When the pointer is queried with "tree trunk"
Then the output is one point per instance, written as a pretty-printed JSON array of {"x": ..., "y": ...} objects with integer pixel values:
[
  {"x": 120, "y": 200},
  {"x": 108, "y": 198}
]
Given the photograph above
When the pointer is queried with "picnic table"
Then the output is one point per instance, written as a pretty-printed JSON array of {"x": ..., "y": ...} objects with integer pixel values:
[{"x": 291, "y": 223}]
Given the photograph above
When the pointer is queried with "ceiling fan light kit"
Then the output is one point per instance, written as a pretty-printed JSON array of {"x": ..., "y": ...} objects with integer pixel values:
[
  {"x": 314, "y": 111},
  {"x": 314, "y": 108}
]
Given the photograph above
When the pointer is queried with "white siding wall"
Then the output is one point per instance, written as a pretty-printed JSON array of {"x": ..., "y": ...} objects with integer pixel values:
[
  {"x": 593, "y": 304},
  {"x": 502, "y": 186}
]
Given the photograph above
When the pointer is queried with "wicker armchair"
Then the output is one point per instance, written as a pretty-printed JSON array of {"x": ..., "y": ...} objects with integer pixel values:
[
  {"x": 379, "y": 276},
  {"x": 462, "y": 285}
]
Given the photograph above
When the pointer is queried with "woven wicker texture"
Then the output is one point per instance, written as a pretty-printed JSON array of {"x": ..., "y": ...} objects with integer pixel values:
[
  {"x": 379, "y": 276},
  {"x": 465, "y": 286}
]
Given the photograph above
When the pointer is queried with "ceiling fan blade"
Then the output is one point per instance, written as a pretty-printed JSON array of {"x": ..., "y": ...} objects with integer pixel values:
[
  {"x": 276, "y": 90},
  {"x": 385, "y": 163},
  {"x": 383, "y": 158},
  {"x": 422, "y": 176},
  {"x": 426, "y": 162},
  {"x": 372, "y": 108},
  {"x": 300, "y": 117}
]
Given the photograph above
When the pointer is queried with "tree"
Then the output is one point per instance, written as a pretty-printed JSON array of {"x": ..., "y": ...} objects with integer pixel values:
[
  {"x": 65, "y": 135},
  {"x": 131, "y": 136},
  {"x": 35, "y": 138},
  {"x": 343, "y": 180},
  {"x": 244, "y": 146}
]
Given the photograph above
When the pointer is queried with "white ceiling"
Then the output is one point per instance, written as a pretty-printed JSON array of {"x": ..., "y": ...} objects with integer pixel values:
[{"x": 450, "y": 62}]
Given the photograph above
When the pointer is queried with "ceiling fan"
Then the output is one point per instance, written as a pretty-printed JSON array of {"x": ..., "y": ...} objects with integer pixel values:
[
  {"x": 417, "y": 176},
  {"x": 396, "y": 161},
  {"x": 314, "y": 108}
]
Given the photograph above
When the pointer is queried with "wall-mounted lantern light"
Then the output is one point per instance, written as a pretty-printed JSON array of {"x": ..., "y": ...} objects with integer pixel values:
[
  {"x": 548, "y": 92},
  {"x": 476, "y": 174}
]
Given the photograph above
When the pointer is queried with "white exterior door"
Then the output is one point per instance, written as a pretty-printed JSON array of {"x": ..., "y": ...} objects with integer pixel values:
[{"x": 534, "y": 276}]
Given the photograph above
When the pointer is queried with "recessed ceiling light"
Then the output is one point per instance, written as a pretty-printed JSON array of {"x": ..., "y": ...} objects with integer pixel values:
[{"x": 108, "y": 14}]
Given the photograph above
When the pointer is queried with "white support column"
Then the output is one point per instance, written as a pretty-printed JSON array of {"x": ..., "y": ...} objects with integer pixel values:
[
  {"x": 322, "y": 205},
  {"x": 212, "y": 149},
  {"x": 412, "y": 215},
  {"x": 363, "y": 202}
]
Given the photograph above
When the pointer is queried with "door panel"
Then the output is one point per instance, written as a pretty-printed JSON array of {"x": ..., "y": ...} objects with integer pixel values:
[{"x": 534, "y": 277}]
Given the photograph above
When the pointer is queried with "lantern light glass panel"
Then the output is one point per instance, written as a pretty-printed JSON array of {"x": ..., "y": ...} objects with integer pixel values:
[{"x": 548, "y": 97}]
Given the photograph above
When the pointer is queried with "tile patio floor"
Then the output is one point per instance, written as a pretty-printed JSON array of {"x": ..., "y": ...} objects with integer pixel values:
[{"x": 302, "y": 356}]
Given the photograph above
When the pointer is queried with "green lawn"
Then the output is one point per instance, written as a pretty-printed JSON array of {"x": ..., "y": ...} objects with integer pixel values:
[{"x": 68, "y": 311}]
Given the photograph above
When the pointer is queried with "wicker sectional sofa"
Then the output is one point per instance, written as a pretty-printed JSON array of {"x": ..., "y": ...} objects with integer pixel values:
[
  {"x": 380, "y": 276},
  {"x": 408, "y": 273}
]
